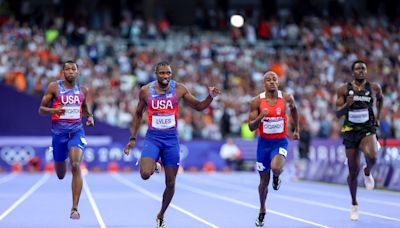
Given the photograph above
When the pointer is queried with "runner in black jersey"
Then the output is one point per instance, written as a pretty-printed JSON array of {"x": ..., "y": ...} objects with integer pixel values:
[{"x": 355, "y": 102}]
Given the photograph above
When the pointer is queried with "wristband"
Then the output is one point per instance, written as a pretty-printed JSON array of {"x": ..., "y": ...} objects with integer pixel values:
[{"x": 132, "y": 138}]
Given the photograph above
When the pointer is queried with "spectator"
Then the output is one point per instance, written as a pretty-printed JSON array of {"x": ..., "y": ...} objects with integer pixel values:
[{"x": 231, "y": 153}]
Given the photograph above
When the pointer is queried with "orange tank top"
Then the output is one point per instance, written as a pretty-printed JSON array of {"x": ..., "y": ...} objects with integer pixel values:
[{"x": 273, "y": 126}]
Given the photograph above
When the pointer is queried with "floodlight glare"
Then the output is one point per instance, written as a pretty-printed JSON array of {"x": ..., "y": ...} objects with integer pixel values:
[{"x": 237, "y": 21}]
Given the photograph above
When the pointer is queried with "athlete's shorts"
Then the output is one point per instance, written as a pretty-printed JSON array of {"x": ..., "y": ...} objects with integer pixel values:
[
  {"x": 62, "y": 143},
  {"x": 165, "y": 146},
  {"x": 352, "y": 139},
  {"x": 267, "y": 149}
]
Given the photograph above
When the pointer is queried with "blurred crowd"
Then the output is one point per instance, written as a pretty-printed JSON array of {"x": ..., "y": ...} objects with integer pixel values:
[{"x": 312, "y": 58}]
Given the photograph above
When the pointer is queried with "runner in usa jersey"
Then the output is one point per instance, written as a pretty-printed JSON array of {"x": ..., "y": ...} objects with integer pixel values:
[
  {"x": 71, "y": 101},
  {"x": 268, "y": 115},
  {"x": 162, "y": 109},
  {"x": 161, "y": 98},
  {"x": 68, "y": 100}
]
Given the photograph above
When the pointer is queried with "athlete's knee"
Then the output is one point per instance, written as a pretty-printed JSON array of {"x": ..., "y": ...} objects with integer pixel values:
[
  {"x": 60, "y": 175},
  {"x": 170, "y": 184},
  {"x": 75, "y": 166},
  {"x": 353, "y": 174},
  {"x": 145, "y": 174},
  {"x": 263, "y": 184},
  {"x": 276, "y": 170}
]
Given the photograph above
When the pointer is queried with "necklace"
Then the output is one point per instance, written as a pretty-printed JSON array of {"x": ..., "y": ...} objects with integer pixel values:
[{"x": 358, "y": 87}]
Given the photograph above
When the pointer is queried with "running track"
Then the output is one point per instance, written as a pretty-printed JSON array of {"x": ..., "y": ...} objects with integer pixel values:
[{"x": 201, "y": 200}]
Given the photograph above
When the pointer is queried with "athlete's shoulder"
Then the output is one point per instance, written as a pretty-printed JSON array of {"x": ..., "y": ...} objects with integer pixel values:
[
  {"x": 256, "y": 99},
  {"x": 84, "y": 89},
  {"x": 146, "y": 87},
  {"x": 374, "y": 85},
  {"x": 343, "y": 87},
  {"x": 53, "y": 86}
]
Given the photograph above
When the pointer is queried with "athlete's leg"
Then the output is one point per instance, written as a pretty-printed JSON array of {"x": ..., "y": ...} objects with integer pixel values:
[
  {"x": 170, "y": 177},
  {"x": 263, "y": 189},
  {"x": 61, "y": 169},
  {"x": 60, "y": 154},
  {"x": 353, "y": 160},
  {"x": 147, "y": 167},
  {"x": 149, "y": 157},
  {"x": 277, "y": 163},
  {"x": 75, "y": 157},
  {"x": 369, "y": 146}
]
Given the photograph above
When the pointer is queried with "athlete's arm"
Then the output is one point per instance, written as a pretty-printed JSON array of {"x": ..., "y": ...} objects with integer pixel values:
[
  {"x": 289, "y": 99},
  {"x": 341, "y": 105},
  {"x": 137, "y": 118},
  {"x": 379, "y": 102},
  {"x": 85, "y": 108},
  {"x": 49, "y": 95},
  {"x": 255, "y": 116},
  {"x": 195, "y": 103}
]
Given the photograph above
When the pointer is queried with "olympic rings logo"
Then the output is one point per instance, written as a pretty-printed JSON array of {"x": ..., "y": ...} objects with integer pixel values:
[{"x": 17, "y": 154}]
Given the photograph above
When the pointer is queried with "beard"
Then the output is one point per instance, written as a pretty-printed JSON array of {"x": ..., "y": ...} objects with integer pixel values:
[{"x": 360, "y": 80}]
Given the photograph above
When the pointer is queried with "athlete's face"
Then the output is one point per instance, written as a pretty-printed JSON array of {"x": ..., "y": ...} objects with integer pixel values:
[
  {"x": 271, "y": 81},
  {"x": 70, "y": 71},
  {"x": 164, "y": 75},
  {"x": 360, "y": 71}
]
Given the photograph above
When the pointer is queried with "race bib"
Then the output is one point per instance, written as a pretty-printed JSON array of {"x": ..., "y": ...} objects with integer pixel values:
[
  {"x": 273, "y": 125},
  {"x": 163, "y": 121},
  {"x": 71, "y": 113},
  {"x": 359, "y": 116}
]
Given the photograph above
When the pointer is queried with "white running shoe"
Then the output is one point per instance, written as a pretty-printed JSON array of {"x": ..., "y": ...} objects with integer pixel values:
[
  {"x": 158, "y": 168},
  {"x": 160, "y": 222},
  {"x": 368, "y": 180},
  {"x": 354, "y": 212}
]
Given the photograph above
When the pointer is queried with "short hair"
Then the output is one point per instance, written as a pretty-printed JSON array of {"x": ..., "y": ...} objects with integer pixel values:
[
  {"x": 355, "y": 62},
  {"x": 70, "y": 62},
  {"x": 160, "y": 64}
]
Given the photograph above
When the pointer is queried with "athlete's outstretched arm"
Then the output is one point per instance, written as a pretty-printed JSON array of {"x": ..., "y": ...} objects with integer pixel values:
[
  {"x": 343, "y": 104},
  {"x": 195, "y": 103},
  {"x": 255, "y": 116},
  {"x": 85, "y": 108},
  {"x": 48, "y": 96},
  {"x": 295, "y": 116},
  {"x": 137, "y": 119},
  {"x": 379, "y": 102}
]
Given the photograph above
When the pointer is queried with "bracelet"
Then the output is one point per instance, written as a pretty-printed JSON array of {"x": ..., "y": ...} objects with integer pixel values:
[
  {"x": 90, "y": 115},
  {"x": 132, "y": 138}
]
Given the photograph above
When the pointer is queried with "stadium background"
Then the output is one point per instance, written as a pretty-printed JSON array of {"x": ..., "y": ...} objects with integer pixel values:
[{"x": 310, "y": 44}]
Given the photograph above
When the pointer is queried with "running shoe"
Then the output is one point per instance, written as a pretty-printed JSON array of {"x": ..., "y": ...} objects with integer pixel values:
[
  {"x": 75, "y": 214},
  {"x": 276, "y": 183},
  {"x": 158, "y": 168},
  {"x": 354, "y": 212},
  {"x": 260, "y": 220},
  {"x": 160, "y": 223},
  {"x": 368, "y": 180}
]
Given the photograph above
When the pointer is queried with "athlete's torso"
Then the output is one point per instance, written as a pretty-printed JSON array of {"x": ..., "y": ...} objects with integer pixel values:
[
  {"x": 360, "y": 115},
  {"x": 71, "y": 100},
  {"x": 162, "y": 109},
  {"x": 273, "y": 126}
]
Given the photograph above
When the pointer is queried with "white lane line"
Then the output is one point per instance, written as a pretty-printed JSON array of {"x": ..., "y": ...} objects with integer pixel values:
[
  {"x": 301, "y": 188},
  {"x": 314, "y": 192},
  {"x": 7, "y": 178},
  {"x": 235, "y": 201},
  {"x": 35, "y": 187},
  {"x": 153, "y": 196},
  {"x": 93, "y": 204},
  {"x": 311, "y": 202}
]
